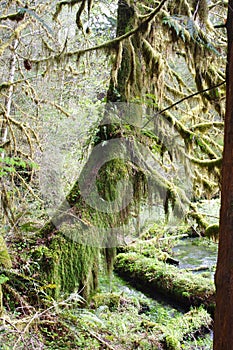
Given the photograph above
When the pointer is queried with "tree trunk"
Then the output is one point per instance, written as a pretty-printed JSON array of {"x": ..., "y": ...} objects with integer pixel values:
[
  {"x": 223, "y": 328},
  {"x": 8, "y": 99}
]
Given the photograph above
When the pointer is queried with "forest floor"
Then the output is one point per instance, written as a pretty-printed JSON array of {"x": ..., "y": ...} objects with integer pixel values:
[{"x": 120, "y": 317}]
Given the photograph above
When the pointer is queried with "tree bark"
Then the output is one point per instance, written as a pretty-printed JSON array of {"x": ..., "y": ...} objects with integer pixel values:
[{"x": 223, "y": 328}]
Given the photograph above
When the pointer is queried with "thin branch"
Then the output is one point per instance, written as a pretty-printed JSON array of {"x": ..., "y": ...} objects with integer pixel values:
[
  {"x": 223, "y": 25},
  {"x": 37, "y": 315},
  {"x": 180, "y": 101},
  {"x": 28, "y": 187},
  {"x": 8, "y": 84}
]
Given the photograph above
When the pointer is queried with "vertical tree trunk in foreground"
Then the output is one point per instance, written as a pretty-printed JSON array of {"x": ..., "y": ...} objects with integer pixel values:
[{"x": 223, "y": 328}]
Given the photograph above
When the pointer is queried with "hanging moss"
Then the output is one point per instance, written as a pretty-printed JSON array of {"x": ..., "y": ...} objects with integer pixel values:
[
  {"x": 143, "y": 62},
  {"x": 199, "y": 218},
  {"x": 63, "y": 3},
  {"x": 67, "y": 266}
]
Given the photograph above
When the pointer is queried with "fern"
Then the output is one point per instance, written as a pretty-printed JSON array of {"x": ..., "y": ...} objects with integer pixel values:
[{"x": 180, "y": 24}]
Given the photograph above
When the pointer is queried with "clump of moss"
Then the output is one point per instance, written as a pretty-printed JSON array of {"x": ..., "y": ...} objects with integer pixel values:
[
  {"x": 212, "y": 231},
  {"x": 111, "y": 300},
  {"x": 184, "y": 327},
  {"x": 66, "y": 265}
]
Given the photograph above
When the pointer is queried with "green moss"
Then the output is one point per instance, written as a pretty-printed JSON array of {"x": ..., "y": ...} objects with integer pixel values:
[
  {"x": 199, "y": 218},
  {"x": 172, "y": 343},
  {"x": 185, "y": 326},
  {"x": 67, "y": 265},
  {"x": 148, "y": 249},
  {"x": 212, "y": 231},
  {"x": 111, "y": 300},
  {"x": 5, "y": 259},
  {"x": 157, "y": 277}
]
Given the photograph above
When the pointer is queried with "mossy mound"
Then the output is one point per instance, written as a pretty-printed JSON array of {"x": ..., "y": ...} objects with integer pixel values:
[
  {"x": 212, "y": 231},
  {"x": 67, "y": 265}
]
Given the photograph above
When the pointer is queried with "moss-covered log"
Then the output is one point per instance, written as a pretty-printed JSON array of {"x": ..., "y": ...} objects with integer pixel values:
[{"x": 158, "y": 278}]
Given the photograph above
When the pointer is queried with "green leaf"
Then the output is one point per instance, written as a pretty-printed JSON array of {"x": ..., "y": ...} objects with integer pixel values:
[
  {"x": 10, "y": 169},
  {"x": 3, "y": 279}
]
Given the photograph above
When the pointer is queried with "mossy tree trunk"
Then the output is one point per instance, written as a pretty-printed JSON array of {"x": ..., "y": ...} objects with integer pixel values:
[
  {"x": 223, "y": 330},
  {"x": 142, "y": 72},
  {"x": 73, "y": 239},
  {"x": 5, "y": 262}
]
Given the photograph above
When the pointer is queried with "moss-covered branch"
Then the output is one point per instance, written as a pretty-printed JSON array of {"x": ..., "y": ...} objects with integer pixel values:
[
  {"x": 15, "y": 35},
  {"x": 202, "y": 127},
  {"x": 207, "y": 163},
  {"x": 108, "y": 45},
  {"x": 17, "y": 16}
]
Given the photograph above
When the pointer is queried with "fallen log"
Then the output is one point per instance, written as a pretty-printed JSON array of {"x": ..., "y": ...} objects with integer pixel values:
[{"x": 161, "y": 279}]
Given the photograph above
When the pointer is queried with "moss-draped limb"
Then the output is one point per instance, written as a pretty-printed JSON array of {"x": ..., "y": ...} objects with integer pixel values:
[
  {"x": 15, "y": 35},
  {"x": 210, "y": 164},
  {"x": 199, "y": 218},
  {"x": 205, "y": 126},
  {"x": 188, "y": 135},
  {"x": 111, "y": 44}
]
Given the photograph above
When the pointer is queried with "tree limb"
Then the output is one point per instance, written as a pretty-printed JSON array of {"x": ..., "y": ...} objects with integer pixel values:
[{"x": 110, "y": 44}]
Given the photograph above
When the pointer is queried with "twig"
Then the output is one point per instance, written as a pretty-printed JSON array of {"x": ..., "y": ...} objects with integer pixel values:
[
  {"x": 11, "y": 324},
  {"x": 28, "y": 187},
  {"x": 100, "y": 340}
]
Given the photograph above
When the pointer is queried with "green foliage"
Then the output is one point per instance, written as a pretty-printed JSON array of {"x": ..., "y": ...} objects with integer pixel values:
[
  {"x": 185, "y": 326},
  {"x": 29, "y": 226},
  {"x": 12, "y": 164},
  {"x": 173, "y": 23},
  {"x": 3, "y": 279},
  {"x": 172, "y": 343},
  {"x": 186, "y": 29}
]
